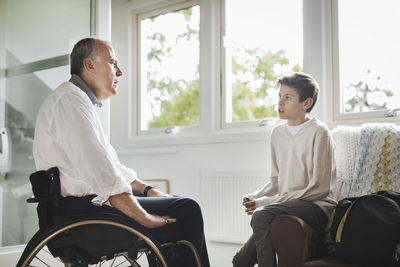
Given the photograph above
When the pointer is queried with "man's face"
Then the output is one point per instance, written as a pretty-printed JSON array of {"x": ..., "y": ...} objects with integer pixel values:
[
  {"x": 107, "y": 71},
  {"x": 289, "y": 106}
]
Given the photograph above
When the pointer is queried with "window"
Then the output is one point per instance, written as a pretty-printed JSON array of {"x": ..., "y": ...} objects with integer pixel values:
[
  {"x": 169, "y": 69},
  {"x": 367, "y": 51},
  {"x": 262, "y": 41},
  {"x": 233, "y": 55}
]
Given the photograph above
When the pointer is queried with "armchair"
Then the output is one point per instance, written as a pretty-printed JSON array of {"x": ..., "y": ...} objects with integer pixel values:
[{"x": 298, "y": 245}]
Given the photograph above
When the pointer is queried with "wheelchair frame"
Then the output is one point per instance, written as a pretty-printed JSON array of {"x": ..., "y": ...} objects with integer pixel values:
[
  {"x": 63, "y": 239},
  {"x": 43, "y": 238}
]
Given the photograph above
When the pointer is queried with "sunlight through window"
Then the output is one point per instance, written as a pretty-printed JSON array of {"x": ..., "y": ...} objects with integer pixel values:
[
  {"x": 368, "y": 54},
  {"x": 261, "y": 43},
  {"x": 170, "y": 69}
]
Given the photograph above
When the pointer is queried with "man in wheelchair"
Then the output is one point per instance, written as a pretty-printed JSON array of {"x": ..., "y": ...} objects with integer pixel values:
[{"x": 69, "y": 136}]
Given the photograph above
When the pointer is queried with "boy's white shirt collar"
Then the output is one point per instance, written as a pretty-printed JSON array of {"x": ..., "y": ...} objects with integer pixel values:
[{"x": 295, "y": 129}]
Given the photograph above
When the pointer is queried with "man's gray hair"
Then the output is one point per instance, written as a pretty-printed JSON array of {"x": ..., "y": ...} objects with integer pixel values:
[{"x": 83, "y": 49}]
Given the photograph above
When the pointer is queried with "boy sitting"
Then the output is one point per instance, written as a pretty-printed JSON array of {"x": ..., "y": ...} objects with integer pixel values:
[{"x": 302, "y": 171}]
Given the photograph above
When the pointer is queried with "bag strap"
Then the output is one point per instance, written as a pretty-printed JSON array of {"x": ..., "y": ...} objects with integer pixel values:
[{"x": 342, "y": 222}]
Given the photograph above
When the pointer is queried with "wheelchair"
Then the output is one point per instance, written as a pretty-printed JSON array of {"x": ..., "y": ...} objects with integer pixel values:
[{"x": 96, "y": 239}]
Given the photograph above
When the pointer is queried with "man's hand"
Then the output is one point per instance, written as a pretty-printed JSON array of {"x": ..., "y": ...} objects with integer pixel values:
[
  {"x": 250, "y": 205},
  {"x": 154, "y": 221},
  {"x": 128, "y": 204}
]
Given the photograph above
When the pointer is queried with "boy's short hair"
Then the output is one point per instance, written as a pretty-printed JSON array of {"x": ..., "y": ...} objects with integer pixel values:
[{"x": 304, "y": 84}]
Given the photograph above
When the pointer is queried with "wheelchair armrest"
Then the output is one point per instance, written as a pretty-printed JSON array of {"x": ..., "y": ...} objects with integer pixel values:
[
  {"x": 294, "y": 240},
  {"x": 34, "y": 199}
]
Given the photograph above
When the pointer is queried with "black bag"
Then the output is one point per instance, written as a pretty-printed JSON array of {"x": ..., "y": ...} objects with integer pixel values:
[{"x": 366, "y": 229}]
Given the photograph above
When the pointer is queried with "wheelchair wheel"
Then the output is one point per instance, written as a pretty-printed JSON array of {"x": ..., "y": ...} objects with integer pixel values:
[
  {"x": 92, "y": 242},
  {"x": 181, "y": 253}
]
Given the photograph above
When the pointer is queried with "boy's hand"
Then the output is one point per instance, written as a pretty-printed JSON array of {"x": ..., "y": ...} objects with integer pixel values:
[{"x": 250, "y": 205}]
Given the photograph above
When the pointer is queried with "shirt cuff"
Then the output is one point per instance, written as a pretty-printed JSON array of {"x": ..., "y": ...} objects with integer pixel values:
[
  {"x": 262, "y": 201},
  {"x": 119, "y": 187},
  {"x": 129, "y": 174},
  {"x": 100, "y": 201},
  {"x": 251, "y": 196}
]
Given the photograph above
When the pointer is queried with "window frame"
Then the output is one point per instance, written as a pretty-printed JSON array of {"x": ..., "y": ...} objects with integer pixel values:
[
  {"x": 318, "y": 59},
  {"x": 211, "y": 128},
  {"x": 339, "y": 116},
  {"x": 226, "y": 95},
  {"x": 137, "y": 120}
]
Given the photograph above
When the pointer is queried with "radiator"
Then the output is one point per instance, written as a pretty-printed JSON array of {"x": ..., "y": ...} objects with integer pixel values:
[{"x": 221, "y": 196}]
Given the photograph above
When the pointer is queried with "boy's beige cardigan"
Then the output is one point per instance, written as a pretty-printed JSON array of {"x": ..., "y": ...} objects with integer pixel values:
[{"x": 302, "y": 167}]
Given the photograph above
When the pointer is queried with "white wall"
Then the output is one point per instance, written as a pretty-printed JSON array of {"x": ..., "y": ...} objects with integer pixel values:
[
  {"x": 9, "y": 256},
  {"x": 184, "y": 164}
]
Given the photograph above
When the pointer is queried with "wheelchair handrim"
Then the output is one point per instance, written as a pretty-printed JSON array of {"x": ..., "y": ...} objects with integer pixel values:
[{"x": 191, "y": 246}]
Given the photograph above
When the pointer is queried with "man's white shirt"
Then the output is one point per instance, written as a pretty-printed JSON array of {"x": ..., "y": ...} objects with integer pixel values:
[{"x": 69, "y": 135}]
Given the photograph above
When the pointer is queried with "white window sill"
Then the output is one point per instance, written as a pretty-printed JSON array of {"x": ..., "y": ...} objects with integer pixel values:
[
  {"x": 11, "y": 250},
  {"x": 150, "y": 144},
  {"x": 359, "y": 121}
]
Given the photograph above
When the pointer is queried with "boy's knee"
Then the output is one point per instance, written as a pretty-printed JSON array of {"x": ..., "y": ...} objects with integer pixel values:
[
  {"x": 240, "y": 261},
  {"x": 261, "y": 219}
]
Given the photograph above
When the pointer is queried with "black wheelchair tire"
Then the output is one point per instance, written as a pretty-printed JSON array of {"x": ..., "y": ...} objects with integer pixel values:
[{"x": 42, "y": 238}]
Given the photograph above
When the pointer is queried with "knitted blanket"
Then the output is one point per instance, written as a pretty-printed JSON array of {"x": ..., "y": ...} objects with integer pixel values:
[
  {"x": 346, "y": 143},
  {"x": 377, "y": 160}
]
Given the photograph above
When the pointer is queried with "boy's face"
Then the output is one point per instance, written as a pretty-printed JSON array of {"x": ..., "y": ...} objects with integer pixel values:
[{"x": 289, "y": 106}]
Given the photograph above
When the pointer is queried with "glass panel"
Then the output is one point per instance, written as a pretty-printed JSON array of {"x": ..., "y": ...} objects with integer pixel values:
[
  {"x": 369, "y": 53},
  {"x": 29, "y": 31},
  {"x": 37, "y": 30},
  {"x": 24, "y": 95},
  {"x": 262, "y": 45},
  {"x": 170, "y": 69}
]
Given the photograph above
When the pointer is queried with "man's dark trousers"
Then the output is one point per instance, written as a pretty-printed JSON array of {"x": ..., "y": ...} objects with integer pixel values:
[{"x": 186, "y": 211}]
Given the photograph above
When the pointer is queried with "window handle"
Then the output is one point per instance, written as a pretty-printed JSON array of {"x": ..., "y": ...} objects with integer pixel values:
[
  {"x": 263, "y": 122},
  {"x": 392, "y": 112},
  {"x": 169, "y": 130}
]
